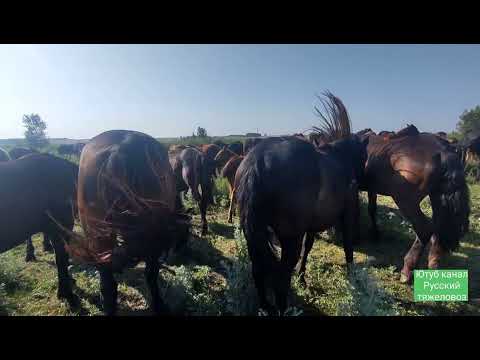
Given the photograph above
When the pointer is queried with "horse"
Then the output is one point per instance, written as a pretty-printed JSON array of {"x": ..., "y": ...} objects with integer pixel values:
[
  {"x": 38, "y": 192},
  {"x": 18, "y": 152},
  {"x": 14, "y": 154},
  {"x": 230, "y": 162},
  {"x": 71, "y": 149},
  {"x": 126, "y": 203},
  {"x": 408, "y": 166},
  {"x": 250, "y": 143},
  {"x": 287, "y": 188},
  {"x": 236, "y": 147},
  {"x": 193, "y": 169}
]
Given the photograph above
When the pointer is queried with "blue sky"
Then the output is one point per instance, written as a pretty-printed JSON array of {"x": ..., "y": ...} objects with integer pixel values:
[{"x": 169, "y": 90}]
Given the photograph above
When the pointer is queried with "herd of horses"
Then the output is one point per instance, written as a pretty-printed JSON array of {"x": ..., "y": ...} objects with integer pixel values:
[{"x": 127, "y": 194}]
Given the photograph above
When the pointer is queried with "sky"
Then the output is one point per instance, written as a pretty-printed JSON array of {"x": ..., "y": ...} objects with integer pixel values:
[{"x": 170, "y": 90}]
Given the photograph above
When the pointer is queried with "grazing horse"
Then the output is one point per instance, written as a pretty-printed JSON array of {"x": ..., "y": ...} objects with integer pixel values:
[
  {"x": 231, "y": 163},
  {"x": 126, "y": 202},
  {"x": 14, "y": 154},
  {"x": 193, "y": 169},
  {"x": 37, "y": 192},
  {"x": 287, "y": 188},
  {"x": 18, "y": 152},
  {"x": 408, "y": 166}
]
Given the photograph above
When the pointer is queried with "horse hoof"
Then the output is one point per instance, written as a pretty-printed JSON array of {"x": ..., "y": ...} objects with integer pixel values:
[
  {"x": 72, "y": 299},
  {"x": 405, "y": 279}
]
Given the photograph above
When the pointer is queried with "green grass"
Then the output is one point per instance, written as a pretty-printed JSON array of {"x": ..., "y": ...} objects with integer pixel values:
[{"x": 213, "y": 276}]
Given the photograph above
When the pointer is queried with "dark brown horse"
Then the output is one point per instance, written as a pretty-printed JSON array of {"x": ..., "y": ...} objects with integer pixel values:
[
  {"x": 126, "y": 201},
  {"x": 18, "y": 152},
  {"x": 194, "y": 170},
  {"x": 231, "y": 163},
  {"x": 287, "y": 188},
  {"x": 408, "y": 166},
  {"x": 14, "y": 154},
  {"x": 37, "y": 192}
]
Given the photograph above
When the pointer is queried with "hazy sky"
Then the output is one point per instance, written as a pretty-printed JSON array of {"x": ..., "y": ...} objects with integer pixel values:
[{"x": 169, "y": 90}]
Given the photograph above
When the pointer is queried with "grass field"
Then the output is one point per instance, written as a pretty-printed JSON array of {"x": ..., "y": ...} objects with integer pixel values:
[{"x": 213, "y": 276}]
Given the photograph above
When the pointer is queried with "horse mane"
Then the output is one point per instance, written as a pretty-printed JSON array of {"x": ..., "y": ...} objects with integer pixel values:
[{"x": 335, "y": 123}]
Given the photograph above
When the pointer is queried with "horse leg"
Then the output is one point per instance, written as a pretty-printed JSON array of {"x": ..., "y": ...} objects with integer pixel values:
[
  {"x": 108, "y": 289},
  {"x": 291, "y": 249},
  {"x": 307, "y": 247},
  {"x": 350, "y": 223},
  {"x": 47, "y": 245},
  {"x": 422, "y": 226},
  {"x": 372, "y": 212},
  {"x": 259, "y": 272},
  {"x": 435, "y": 253},
  {"x": 64, "y": 279},
  {"x": 203, "y": 213},
  {"x": 231, "y": 209},
  {"x": 30, "y": 256},
  {"x": 152, "y": 268}
]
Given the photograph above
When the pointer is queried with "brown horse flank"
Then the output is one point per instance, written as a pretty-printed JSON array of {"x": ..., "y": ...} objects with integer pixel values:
[
  {"x": 193, "y": 169},
  {"x": 228, "y": 171},
  {"x": 408, "y": 166},
  {"x": 287, "y": 188},
  {"x": 126, "y": 201},
  {"x": 37, "y": 192}
]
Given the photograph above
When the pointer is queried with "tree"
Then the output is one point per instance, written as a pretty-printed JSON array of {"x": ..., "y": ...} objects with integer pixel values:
[
  {"x": 469, "y": 124},
  {"x": 35, "y": 131},
  {"x": 201, "y": 132}
]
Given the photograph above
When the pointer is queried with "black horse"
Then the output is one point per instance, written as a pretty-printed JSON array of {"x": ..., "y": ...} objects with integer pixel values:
[
  {"x": 14, "y": 154},
  {"x": 37, "y": 193},
  {"x": 287, "y": 188}
]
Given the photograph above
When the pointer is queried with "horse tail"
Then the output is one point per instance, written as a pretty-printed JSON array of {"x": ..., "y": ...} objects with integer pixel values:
[
  {"x": 450, "y": 200},
  {"x": 252, "y": 202}
]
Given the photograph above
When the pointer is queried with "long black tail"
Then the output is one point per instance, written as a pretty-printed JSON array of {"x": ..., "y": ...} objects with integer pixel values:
[
  {"x": 252, "y": 202},
  {"x": 450, "y": 201}
]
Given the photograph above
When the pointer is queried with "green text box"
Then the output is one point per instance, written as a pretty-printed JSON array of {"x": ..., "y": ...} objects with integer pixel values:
[{"x": 440, "y": 285}]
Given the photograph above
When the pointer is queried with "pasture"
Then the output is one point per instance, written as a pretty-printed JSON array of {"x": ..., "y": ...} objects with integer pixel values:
[{"x": 213, "y": 276}]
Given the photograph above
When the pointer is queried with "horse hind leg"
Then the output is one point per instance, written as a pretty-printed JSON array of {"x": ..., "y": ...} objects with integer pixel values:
[
  {"x": 151, "y": 276},
  {"x": 108, "y": 289},
  {"x": 30, "y": 254},
  {"x": 307, "y": 247},
  {"x": 372, "y": 212},
  {"x": 231, "y": 209},
  {"x": 291, "y": 249},
  {"x": 423, "y": 228},
  {"x": 64, "y": 279},
  {"x": 47, "y": 245}
]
